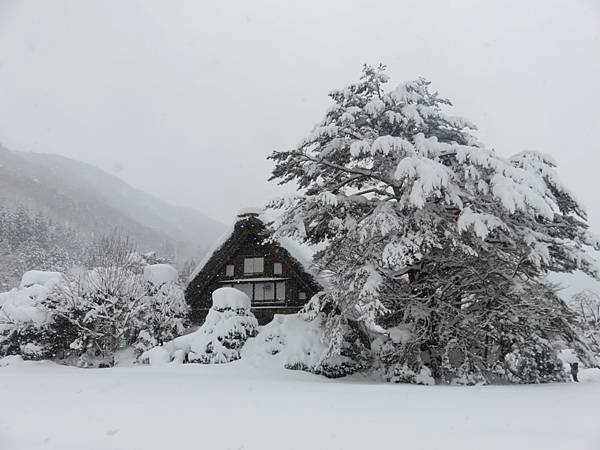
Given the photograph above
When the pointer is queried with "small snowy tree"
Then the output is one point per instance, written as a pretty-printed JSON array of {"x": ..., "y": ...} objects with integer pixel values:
[
  {"x": 25, "y": 323},
  {"x": 586, "y": 305},
  {"x": 226, "y": 329},
  {"x": 164, "y": 311},
  {"x": 429, "y": 230}
]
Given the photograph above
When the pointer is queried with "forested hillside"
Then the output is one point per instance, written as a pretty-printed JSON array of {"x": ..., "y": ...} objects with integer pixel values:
[{"x": 50, "y": 206}]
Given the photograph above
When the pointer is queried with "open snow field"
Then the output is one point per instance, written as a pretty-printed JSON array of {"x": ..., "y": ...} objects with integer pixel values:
[{"x": 244, "y": 406}]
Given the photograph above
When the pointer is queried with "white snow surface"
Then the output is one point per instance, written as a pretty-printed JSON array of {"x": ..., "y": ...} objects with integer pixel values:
[
  {"x": 248, "y": 405},
  {"x": 159, "y": 274}
]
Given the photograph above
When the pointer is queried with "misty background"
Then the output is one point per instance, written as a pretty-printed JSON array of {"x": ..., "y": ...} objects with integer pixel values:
[{"x": 186, "y": 99}]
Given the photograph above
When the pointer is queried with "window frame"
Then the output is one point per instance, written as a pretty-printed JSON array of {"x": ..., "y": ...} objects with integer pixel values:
[
  {"x": 278, "y": 288},
  {"x": 251, "y": 261},
  {"x": 260, "y": 287}
]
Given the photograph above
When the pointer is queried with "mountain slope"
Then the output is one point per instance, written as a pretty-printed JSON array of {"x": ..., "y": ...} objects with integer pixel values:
[{"x": 95, "y": 202}]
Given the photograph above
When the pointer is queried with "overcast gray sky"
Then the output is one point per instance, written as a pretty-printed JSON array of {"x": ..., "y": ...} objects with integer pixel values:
[{"x": 185, "y": 99}]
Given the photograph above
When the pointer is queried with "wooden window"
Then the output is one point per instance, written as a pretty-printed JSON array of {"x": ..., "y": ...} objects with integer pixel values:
[
  {"x": 229, "y": 270},
  {"x": 280, "y": 288},
  {"x": 301, "y": 295},
  {"x": 254, "y": 265},
  {"x": 246, "y": 288},
  {"x": 264, "y": 292},
  {"x": 277, "y": 268}
]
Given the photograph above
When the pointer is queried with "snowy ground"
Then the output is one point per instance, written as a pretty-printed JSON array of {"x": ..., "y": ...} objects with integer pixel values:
[{"x": 241, "y": 406}]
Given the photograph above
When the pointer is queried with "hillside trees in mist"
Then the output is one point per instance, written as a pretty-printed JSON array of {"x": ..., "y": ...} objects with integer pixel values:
[{"x": 31, "y": 240}]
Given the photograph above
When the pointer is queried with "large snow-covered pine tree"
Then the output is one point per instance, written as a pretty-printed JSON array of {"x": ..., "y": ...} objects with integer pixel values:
[{"x": 437, "y": 245}]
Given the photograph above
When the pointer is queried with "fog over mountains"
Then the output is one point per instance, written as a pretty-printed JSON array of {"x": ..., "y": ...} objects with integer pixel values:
[{"x": 94, "y": 202}]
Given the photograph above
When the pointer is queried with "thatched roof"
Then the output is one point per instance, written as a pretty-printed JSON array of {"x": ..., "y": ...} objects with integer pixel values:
[{"x": 250, "y": 225}]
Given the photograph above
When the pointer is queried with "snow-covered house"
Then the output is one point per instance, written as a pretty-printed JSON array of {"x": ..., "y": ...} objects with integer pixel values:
[{"x": 274, "y": 274}]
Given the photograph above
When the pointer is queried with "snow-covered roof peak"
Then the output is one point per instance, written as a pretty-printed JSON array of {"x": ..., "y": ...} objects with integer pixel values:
[{"x": 245, "y": 212}]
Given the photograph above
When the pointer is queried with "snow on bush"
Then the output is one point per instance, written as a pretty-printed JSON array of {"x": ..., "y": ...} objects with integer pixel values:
[
  {"x": 230, "y": 298},
  {"x": 290, "y": 341},
  {"x": 40, "y": 277},
  {"x": 86, "y": 316},
  {"x": 106, "y": 309},
  {"x": 586, "y": 306},
  {"x": 159, "y": 274},
  {"x": 163, "y": 313},
  {"x": 24, "y": 318},
  {"x": 21, "y": 306},
  {"x": 228, "y": 325},
  {"x": 230, "y": 332},
  {"x": 303, "y": 342}
]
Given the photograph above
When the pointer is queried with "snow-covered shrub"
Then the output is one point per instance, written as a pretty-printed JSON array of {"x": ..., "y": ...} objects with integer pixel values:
[
  {"x": 24, "y": 319},
  {"x": 290, "y": 341},
  {"x": 586, "y": 306},
  {"x": 226, "y": 329},
  {"x": 302, "y": 342},
  {"x": 425, "y": 228},
  {"x": 87, "y": 315},
  {"x": 228, "y": 325},
  {"x": 347, "y": 349},
  {"x": 99, "y": 309},
  {"x": 163, "y": 313},
  {"x": 536, "y": 362},
  {"x": 116, "y": 303},
  {"x": 95, "y": 316}
]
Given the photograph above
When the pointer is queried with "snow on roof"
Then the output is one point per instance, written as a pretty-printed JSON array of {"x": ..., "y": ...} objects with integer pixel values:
[
  {"x": 160, "y": 273},
  {"x": 250, "y": 211},
  {"x": 301, "y": 252},
  {"x": 216, "y": 246}
]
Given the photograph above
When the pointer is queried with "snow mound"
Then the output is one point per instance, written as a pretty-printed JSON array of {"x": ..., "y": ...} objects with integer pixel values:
[
  {"x": 40, "y": 277},
  {"x": 290, "y": 340},
  {"x": 158, "y": 356},
  {"x": 11, "y": 360},
  {"x": 160, "y": 274},
  {"x": 230, "y": 298},
  {"x": 24, "y": 305},
  {"x": 589, "y": 375}
]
